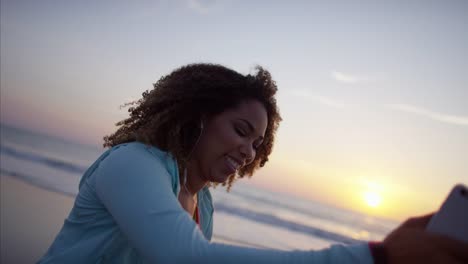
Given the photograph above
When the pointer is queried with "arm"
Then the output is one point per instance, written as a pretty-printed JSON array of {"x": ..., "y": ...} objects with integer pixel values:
[
  {"x": 136, "y": 189},
  {"x": 410, "y": 243}
]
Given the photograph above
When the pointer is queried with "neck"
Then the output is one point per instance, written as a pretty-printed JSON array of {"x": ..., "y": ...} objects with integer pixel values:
[{"x": 194, "y": 181}]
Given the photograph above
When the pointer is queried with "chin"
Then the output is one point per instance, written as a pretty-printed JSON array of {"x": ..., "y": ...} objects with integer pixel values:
[{"x": 221, "y": 178}]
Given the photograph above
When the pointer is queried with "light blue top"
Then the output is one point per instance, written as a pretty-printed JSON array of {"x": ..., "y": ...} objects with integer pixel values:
[{"x": 127, "y": 211}]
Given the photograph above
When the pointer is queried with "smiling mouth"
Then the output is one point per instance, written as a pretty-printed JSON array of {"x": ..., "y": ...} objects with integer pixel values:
[{"x": 232, "y": 164}]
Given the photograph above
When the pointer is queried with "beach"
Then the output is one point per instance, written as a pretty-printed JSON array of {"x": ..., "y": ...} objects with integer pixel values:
[
  {"x": 30, "y": 219},
  {"x": 40, "y": 175}
]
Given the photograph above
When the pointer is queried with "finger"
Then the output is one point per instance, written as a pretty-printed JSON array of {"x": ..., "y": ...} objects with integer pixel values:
[
  {"x": 456, "y": 248},
  {"x": 418, "y": 222}
]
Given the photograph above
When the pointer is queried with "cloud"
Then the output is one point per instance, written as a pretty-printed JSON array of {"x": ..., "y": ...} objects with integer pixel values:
[
  {"x": 353, "y": 78},
  {"x": 203, "y": 6},
  {"x": 444, "y": 118},
  {"x": 344, "y": 77},
  {"x": 318, "y": 98}
]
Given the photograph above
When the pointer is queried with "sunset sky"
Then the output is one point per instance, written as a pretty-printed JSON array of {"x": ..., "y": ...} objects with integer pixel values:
[{"x": 373, "y": 94}]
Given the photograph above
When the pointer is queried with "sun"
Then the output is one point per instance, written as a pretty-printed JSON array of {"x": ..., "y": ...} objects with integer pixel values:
[{"x": 372, "y": 199}]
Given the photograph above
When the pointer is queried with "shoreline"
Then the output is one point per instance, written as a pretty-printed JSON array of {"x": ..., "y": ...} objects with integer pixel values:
[{"x": 32, "y": 216}]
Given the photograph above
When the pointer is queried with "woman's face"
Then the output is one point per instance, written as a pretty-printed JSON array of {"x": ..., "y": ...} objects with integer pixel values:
[{"x": 229, "y": 141}]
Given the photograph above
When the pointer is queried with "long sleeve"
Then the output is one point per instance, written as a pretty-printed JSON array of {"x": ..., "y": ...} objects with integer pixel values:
[{"x": 136, "y": 189}]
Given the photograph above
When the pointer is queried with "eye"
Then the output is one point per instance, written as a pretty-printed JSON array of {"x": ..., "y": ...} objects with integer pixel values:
[{"x": 240, "y": 131}]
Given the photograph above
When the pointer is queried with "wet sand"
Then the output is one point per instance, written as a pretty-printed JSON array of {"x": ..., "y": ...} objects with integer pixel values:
[{"x": 30, "y": 218}]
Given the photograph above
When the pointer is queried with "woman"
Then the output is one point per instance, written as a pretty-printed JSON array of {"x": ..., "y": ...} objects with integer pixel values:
[{"x": 147, "y": 198}]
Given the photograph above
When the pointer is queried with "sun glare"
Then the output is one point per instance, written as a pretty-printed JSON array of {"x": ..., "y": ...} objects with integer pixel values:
[{"x": 372, "y": 199}]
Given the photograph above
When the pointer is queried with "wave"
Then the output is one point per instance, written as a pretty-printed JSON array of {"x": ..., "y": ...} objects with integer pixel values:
[
  {"x": 221, "y": 207},
  {"x": 35, "y": 181},
  {"x": 276, "y": 221},
  {"x": 50, "y": 162},
  {"x": 328, "y": 216}
]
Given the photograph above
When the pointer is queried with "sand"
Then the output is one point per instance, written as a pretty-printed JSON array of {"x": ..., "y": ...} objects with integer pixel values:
[{"x": 30, "y": 218}]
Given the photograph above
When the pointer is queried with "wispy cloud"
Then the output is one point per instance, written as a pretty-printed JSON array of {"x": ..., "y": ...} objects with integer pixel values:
[
  {"x": 344, "y": 77},
  {"x": 445, "y": 118},
  {"x": 318, "y": 98},
  {"x": 203, "y": 6},
  {"x": 354, "y": 78}
]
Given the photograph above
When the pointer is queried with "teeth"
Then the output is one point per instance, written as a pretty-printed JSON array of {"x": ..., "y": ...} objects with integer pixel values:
[{"x": 233, "y": 163}]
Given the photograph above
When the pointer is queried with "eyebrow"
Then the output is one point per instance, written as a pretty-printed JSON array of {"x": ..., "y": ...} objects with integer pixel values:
[{"x": 251, "y": 127}]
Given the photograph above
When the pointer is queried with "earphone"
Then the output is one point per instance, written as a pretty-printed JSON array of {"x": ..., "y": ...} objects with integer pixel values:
[
  {"x": 198, "y": 139},
  {"x": 184, "y": 180}
]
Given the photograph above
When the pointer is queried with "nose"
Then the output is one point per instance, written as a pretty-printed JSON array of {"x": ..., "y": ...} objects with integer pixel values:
[{"x": 248, "y": 152}]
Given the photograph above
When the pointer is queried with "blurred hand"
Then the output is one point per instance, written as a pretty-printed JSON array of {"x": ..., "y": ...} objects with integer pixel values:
[{"x": 410, "y": 243}]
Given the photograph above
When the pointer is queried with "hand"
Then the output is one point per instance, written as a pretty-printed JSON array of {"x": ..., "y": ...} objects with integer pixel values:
[{"x": 410, "y": 243}]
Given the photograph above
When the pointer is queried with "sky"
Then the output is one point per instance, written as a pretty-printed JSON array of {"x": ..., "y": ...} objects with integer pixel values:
[{"x": 373, "y": 94}]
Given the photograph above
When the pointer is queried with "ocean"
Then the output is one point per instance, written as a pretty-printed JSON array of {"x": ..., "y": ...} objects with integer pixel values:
[{"x": 247, "y": 215}]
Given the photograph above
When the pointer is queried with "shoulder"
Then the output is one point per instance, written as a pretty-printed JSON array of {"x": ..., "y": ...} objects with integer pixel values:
[
  {"x": 141, "y": 155},
  {"x": 136, "y": 158}
]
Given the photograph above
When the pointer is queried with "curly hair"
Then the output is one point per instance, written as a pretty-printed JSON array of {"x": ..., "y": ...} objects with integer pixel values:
[{"x": 169, "y": 115}]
